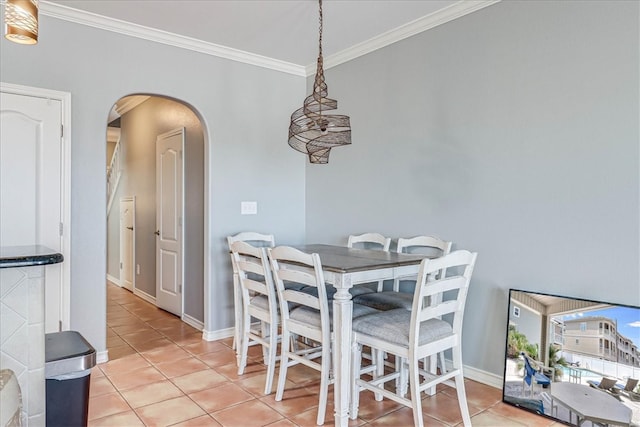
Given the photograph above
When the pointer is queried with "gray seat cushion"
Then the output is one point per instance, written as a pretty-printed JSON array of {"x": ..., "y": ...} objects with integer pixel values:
[
  {"x": 311, "y": 316},
  {"x": 387, "y": 300},
  {"x": 393, "y": 326}
]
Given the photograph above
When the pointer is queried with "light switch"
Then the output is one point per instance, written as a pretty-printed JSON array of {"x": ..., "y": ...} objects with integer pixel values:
[{"x": 248, "y": 208}]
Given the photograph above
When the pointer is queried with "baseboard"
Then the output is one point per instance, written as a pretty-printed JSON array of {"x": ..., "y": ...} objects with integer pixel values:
[
  {"x": 145, "y": 296},
  {"x": 217, "y": 335},
  {"x": 114, "y": 280},
  {"x": 102, "y": 356},
  {"x": 483, "y": 377},
  {"x": 192, "y": 322}
]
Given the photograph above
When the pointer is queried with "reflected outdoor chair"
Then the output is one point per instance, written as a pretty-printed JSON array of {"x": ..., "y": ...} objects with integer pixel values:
[
  {"x": 258, "y": 295},
  {"x": 420, "y": 333},
  {"x": 606, "y": 384},
  {"x": 532, "y": 375}
]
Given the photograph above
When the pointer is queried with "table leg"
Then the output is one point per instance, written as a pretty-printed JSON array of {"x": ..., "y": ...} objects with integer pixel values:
[
  {"x": 342, "y": 315},
  {"x": 237, "y": 303}
]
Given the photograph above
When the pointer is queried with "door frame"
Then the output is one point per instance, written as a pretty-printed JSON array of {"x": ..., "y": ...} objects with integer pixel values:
[
  {"x": 131, "y": 199},
  {"x": 65, "y": 188}
]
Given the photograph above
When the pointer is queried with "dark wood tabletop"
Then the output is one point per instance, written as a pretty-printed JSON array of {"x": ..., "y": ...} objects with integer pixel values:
[{"x": 341, "y": 259}]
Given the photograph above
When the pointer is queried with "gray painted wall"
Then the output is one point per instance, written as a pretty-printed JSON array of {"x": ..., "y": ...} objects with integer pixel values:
[
  {"x": 245, "y": 112},
  {"x": 513, "y": 132}
]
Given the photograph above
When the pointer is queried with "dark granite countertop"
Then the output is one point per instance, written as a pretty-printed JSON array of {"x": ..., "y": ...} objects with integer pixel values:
[{"x": 25, "y": 256}]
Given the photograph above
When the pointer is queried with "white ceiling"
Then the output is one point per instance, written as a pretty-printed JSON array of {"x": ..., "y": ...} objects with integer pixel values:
[{"x": 285, "y": 30}]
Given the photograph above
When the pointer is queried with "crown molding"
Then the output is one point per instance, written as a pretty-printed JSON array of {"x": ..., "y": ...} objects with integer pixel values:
[
  {"x": 457, "y": 10},
  {"x": 77, "y": 16},
  {"x": 129, "y": 103},
  {"x": 427, "y": 22}
]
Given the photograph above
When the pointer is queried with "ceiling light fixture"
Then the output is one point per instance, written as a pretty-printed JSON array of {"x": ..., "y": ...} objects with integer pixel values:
[
  {"x": 21, "y": 21},
  {"x": 312, "y": 132}
]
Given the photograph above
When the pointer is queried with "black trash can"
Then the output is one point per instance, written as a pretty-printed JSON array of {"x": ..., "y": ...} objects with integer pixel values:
[{"x": 68, "y": 362}]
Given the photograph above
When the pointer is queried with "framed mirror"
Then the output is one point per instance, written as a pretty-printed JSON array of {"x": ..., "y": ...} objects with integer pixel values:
[{"x": 574, "y": 360}]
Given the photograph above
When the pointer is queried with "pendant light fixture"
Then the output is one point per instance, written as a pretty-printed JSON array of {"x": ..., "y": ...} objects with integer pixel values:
[
  {"x": 312, "y": 131},
  {"x": 21, "y": 21}
]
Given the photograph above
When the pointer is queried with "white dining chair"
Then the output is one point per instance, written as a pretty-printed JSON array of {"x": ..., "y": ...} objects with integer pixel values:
[
  {"x": 255, "y": 239},
  {"x": 305, "y": 314},
  {"x": 259, "y": 301},
  {"x": 426, "y": 330},
  {"x": 309, "y": 319},
  {"x": 388, "y": 300},
  {"x": 373, "y": 241}
]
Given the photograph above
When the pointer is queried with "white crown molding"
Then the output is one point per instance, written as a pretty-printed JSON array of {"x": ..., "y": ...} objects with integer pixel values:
[
  {"x": 129, "y": 103},
  {"x": 66, "y": 13},
  {"x": 427, "y": 22},
  {"x": 461, "y": 8}
]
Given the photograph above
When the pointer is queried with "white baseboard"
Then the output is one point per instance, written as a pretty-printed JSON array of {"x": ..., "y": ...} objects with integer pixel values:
[
  {"x": 192, "y": 322},
  {"x": 217, "y": 335},
  {"x": 102, "y": 356},
  {"x": 145, "y": 296},
  {"x": 114, "y": 280},
  {"x": 483, "y": 377}
]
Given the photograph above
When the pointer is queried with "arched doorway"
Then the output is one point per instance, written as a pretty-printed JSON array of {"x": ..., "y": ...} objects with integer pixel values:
[{"x": 136, "y": 126}]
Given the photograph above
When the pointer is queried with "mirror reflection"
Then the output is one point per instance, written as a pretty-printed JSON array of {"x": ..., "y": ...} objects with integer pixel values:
[{"x": 573, "y": 360}]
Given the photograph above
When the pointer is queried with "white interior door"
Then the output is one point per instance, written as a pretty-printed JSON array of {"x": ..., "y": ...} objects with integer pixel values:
[
  {"x": 31, "y": 185},
  {"x": 127, "y": 239},
  {"x": 169, "y": 208}
]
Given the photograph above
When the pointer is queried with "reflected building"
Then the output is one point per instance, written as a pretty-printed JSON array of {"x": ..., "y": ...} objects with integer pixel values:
[{"x": 598, "y": 336}]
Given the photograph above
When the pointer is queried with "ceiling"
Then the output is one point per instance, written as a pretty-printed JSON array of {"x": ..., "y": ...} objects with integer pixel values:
[{"x": 285, "y": 30}]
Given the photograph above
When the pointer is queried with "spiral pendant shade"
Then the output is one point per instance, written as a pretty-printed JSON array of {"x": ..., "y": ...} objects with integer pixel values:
[{"x": 312, "y": 131}]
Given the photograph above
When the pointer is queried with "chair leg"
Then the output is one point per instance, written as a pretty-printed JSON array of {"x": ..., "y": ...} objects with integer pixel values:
[
  {"x": 271, "y": 366},
  {"x": 324, "y": 383},
  {"x": 402, "y": 381},
  {"x": 356, "y": 366},
  {"x": 284, "y": 363},
  {"x": 459, "y": 380},
  {"x": 264, "y": 330},
  {"x": 416, "y": 399},
  {"x": 244, "y": 343},
  {"x": 443, "y": 364},
  {"x": 377, "y": 357},
  {"x": 462, "y": 400}
]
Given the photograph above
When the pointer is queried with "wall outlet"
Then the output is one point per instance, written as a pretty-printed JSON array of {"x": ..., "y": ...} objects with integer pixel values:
[
  {"x": 138, "y": 269},
  {"x": 248, "y": 208}
]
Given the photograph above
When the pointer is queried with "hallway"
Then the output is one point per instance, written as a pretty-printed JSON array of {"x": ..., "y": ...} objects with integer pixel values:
[{"x": 161, "y": 373}]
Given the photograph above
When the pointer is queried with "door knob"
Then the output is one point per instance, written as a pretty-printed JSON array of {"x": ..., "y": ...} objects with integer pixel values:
[
  {"x": 129, "y": 228},
  {"x": 157, "y": 232}
]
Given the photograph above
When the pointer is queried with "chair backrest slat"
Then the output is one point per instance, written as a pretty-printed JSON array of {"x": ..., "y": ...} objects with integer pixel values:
[
  {"x": 257, "y": 239},
  {"x": 368, "y": 239}
]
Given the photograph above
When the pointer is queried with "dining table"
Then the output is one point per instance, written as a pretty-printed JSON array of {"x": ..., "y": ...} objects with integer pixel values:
[
  {"x": 342, "y": 267},
  {"x": 589, "y": 403}
]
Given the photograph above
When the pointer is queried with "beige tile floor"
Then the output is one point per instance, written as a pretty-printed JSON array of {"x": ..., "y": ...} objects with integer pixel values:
[{"x": 161, "y": 373}]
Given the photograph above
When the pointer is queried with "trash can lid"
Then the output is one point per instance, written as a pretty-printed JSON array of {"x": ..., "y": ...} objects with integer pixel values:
[
  {"x": 65, "y": 345},
  {"x": 67, "y": 352}
]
